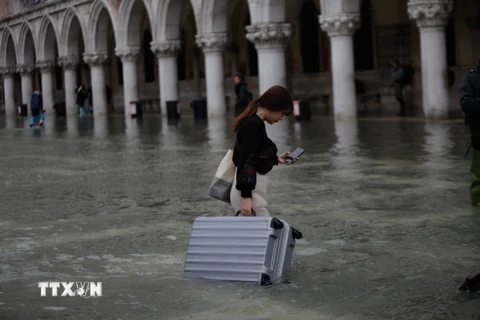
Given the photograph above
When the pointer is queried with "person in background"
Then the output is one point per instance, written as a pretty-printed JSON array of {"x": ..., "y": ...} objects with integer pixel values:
[
  {"x": 242, "y": 96},
  {"x": 254, "y": 153},
  {"x": 398, "y": 85},
  {"x": 90, "y": 99},
  {"x": 470, "y": 103},
  {"x": 81, "y": 97},
  {"x": 36, "y": 106}
]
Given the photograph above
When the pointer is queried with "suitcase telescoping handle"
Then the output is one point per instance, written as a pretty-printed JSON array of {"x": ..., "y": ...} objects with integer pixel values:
[{"x": 240, "y": 212}]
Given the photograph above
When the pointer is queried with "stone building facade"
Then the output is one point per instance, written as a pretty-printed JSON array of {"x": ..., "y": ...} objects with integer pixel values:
[{"x": 332, "y": 52}]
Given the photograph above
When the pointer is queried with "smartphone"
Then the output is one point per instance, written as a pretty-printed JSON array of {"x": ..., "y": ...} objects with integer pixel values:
[{"x": 294, "y": 155}]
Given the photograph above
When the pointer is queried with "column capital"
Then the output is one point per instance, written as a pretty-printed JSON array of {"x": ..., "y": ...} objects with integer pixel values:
[
  {"x": 45, "y": 65},
  {"x": 128, "y": 54},
  {"x": 343, "y": 24},
  {"x": 269, "y": 35},
  {"x": 166, "y": 49},
  {"x": 68, "y": 62},
  {"x": 8, "y": 71},
  {"x": 95, "y": 58},
  {"x": 212, "y": 42},
  {"x": 430, "y": 13},
  {"x": 25, "y": 68}
]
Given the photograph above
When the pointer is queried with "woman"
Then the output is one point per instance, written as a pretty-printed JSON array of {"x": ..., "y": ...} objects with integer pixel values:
[{"x": 255, "y": 154}]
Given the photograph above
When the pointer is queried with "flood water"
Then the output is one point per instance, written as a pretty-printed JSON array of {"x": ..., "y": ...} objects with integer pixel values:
[{"x": 383, "y": 205}]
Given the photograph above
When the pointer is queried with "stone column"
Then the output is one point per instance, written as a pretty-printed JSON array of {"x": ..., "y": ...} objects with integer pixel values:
[
  {"x": 96, "y": 60},
  {"x": 9, "y": 90},
  {"x": 432, "y": 17},
  {"x": 340, "y": 28},
  {"x": 213, "y": 45},
  {"x": 25, "y": 71},
  {"x": 129, "y": 58},
  {"x": 46, "y": 68},
  {"x": 69, "y": 64},
  {"x": 270, "y": 40},
  {"x": 166, "y": 53}
]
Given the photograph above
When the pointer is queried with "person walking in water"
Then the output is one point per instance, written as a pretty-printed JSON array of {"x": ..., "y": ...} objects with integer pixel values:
[
  {"x": 254, "y": 153},
  {"x": 81, "y": 97},
  {"x": 242, "y": 95},
  {"x": 36, "y": 106}
]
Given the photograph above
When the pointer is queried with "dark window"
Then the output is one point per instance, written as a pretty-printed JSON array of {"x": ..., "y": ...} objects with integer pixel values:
[
  {"x": 182, "y": 60},
  {"x": 120, "y": 71},
  {"x": 78, "y": 73},
  {"x": 450, "y": 39},
  {"x": 363, "y": 39},
  {"x": 251, "y": 51},
  {"x": 59, "y": 78},
  {"x": 309, "y": 30},
  {"x": 148, "y": 58}
]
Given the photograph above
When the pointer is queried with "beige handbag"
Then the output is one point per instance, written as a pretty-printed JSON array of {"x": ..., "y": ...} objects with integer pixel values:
[{"x": 223, "y": 180}]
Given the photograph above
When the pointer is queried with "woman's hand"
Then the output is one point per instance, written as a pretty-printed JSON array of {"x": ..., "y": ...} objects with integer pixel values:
[
  {"x": 247, "y": 207},
  {"x": 283, "y": 156}
]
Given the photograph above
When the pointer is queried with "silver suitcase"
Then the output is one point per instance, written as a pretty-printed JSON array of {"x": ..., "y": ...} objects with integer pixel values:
[{"x": 255, "y": 249}]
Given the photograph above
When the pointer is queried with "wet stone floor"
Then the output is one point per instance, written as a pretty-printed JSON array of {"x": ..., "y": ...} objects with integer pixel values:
[{"x": 382, "y": 203}]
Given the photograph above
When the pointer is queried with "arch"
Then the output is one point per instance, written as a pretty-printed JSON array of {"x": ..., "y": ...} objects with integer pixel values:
[
  {"x": 101, "y": 16},
  {"x": 130, "y": 22},
  {"x": 47, "y": 44},
  {"x": 67, "y": 43},
  {"x": 26, "y": 52},
  {"x": 267, "y": 11},
  {"x": 169, "y": 16},
  {"x": 214, "y": 16},
  {"x": 274, "y": 11},
  {"x": 8, "y": 53}
]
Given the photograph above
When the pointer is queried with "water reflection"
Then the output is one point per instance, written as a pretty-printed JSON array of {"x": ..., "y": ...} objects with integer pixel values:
[
  {"x": 438, "y": 141},
  {"x": 216, "y": 134},
  {"x": 347, "y": 137},
  {"x": 72, "y": 126},
  {"x": 100, "y": 127},
  {"x": 131, "y": 129}
]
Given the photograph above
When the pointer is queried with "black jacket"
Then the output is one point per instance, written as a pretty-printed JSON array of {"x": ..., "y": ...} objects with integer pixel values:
[
  {"x": 241, "y": 93},
  {"x": 470, "y": 103}
]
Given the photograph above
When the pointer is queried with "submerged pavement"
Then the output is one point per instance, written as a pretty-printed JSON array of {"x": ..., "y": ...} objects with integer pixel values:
[{"x": 382, "y": 203}]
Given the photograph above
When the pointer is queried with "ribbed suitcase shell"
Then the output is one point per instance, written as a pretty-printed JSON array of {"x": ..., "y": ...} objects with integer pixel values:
[{"x": 239, "y": 249}]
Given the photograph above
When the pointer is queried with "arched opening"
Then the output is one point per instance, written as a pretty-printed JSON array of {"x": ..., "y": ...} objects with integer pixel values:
[
  {"x": 309, "y": 37},
  {"x": 242, "y": 53},
  {"x": 11, "y": 60},
  {"x": 148, "y": 57},
  {"x": 194, "y": 59},
  {"x": 50, "y": 53},
  {"x": 139, "y": 31},
  {"x": 363, "y": 39},
  {"x": 104, "y": 41},
  {"x": 182, "y": 58},
  {"x": 450, "y": 41},
  {"x": 252, "y": 56},
  {"x": 76, "y": 47}
]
